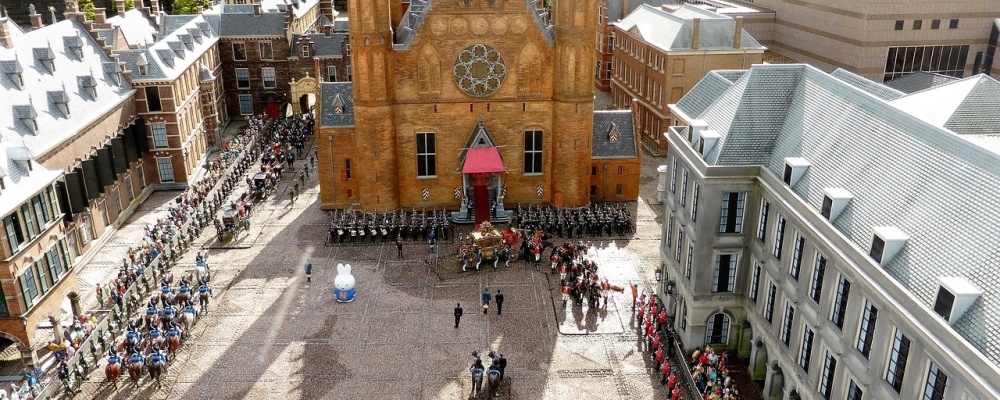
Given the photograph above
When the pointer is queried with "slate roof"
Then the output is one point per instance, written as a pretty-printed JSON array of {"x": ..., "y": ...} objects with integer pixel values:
[
  {"x": 673, "y": 30},
  {"x": 341, "y": 26},
  {"x": 136, "y": 29},
  {"x": 168, "y": 57},
  {"x": 603, "y": 145},
  {"x": 940, "y": 188},
  {"x": 876, "y": 89},
  {"x": 918, "y": 81},
  {"x": 331, "y": 93},
  {"x": 961, "y": 106},
  {"x": 615, "y": 7},
  {"x": 323, "y": 45},
  {"x": 80, "y": 84},
  {"x": 20, "y": 183},
  {"x": 713, "y": 85},
  {"x": 265, "y": 24}
]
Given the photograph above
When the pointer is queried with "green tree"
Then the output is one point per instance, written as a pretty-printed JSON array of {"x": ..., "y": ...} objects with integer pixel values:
[
  {"x": 87, "y": 6},
  {"x": 129, "y": 4},
  {"x": 189, "y": 6}
]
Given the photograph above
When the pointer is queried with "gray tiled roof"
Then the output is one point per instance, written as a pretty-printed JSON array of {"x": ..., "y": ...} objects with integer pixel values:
[
  {"x": 674, "y": 31},
  {"x": 323, "y": 45},
  {"x": 937, "y": 187},
  {"x": 168, "y": 57},
  {"x": 135, "y": 28},
  {"x": 621, "y": 122},
  {"x": 704, "y": 93},
  {"x": 341, "y": 26},
  {"x": 334, "y": 93},
  {"x": 918, "y": 81},
  {"x": 876, "y": 89},
  {"x": 265, "y": 24},
  {"x": 174, "y": 22},
  {"x": 44, "y": 93}
]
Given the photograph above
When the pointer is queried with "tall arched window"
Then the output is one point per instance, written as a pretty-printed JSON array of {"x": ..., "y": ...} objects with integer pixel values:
[{"x": 718, "y": 329}]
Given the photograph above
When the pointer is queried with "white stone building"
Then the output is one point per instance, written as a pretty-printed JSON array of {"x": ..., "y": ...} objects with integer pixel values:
[{"x": 839, "y": 233}]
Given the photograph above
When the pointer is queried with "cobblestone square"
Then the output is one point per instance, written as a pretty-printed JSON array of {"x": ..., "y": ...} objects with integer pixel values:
[{"x": 270, "y": 334}]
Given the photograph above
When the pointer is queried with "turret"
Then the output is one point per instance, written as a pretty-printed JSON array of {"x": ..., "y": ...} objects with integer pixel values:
[
  {"x": 573, "y": 98},
  {"x": 372, "y": 63}
]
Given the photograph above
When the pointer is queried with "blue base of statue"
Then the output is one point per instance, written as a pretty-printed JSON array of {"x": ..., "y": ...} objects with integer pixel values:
[{"x": 344, "y": 296}]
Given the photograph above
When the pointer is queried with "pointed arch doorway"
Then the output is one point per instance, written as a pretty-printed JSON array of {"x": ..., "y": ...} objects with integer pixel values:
[{"x": 483, "y": 173}]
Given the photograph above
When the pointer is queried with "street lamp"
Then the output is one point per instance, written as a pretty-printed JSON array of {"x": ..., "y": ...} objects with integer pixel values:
[
  {"x": 659, "y": 274},
  {"x": 24, "y": 321},
  {"x": 670, "y": 287}
]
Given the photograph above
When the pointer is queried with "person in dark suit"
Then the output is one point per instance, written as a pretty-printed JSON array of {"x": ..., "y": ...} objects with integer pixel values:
[
  {"x": 499, "y": 299},
  {"x": 458, "y": 313}
]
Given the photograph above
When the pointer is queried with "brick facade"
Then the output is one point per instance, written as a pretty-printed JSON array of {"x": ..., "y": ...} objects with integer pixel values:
[
  {"x": 276, "y": 94},
  {"x": 414, "y": 91}
]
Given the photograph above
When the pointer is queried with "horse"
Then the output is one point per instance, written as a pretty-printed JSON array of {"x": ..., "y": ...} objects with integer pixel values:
[
  {"x": 173, "y": 341},
  {"x": 113, "y": 370},
  {"x": 166, "y": 296},
  {"x": 183, "y": 296},
  {"x": 135, "y": 369},
  {"x": 203, "y": 300},
  {"x": 494, "y": 379},
  {"x": 477, "y": 380},
  {"x": 157, "y": 367}
]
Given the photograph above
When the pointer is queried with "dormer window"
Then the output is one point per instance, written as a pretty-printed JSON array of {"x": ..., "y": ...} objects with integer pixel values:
[
  {"x": 28, "y": 116},
  {"x": 338, "y": 105},
  {"x": 886, "y": 242},
  {"x": 143, "y": 70},
  {"x": 45, "y": 56},
  {"x": 87, "y": 84},
  {"x": 795, "y": 167},
  {"x": 708, "y": 140},
  {"x": 613, "y": 133},
  {"x": 74, "y": 45},
  {"x": 60, "y": 100},
  {"x": 13, "y": 70},
  {"x": 834, "y": 202},
  {"x": 305, "y": 50},
  {"x": 111, "y": 69},
  {"x": 954, "y": 297}
]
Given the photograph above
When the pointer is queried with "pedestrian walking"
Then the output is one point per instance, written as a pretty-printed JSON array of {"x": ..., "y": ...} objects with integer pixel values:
[
  {"x": 499, "y": 298},
  {"x": 309, "y": 271},
  {"x": 486, "y": 301},
  {"x": 399, "y": 245},
  {"x": 291, "y": 196},
  {"x": 458, "y": 313}
]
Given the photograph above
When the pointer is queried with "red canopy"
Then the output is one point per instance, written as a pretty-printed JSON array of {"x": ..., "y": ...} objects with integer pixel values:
[{"x": 482, "y": 159}]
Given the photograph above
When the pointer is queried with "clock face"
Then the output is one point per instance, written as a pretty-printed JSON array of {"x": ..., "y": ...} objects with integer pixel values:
[{"x": 479, "y": 70}]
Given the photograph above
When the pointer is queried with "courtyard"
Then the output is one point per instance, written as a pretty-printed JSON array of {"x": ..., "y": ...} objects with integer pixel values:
[{"x": 271, "y": 334}]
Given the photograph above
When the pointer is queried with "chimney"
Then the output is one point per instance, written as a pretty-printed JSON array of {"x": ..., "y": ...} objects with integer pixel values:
[
  {"x": 155, "y": 5},
  {"x": 72, "y": 6},
  {"x": 695, "y": 35},
  {"x": 5, "y": 39},
  {"x": 100, "y": 16},
  {"x": 624, "y": 9},
  {"x": 36, "y": 20},
  {"x": 738, "y": 34},
  {"x": 256, "y": 8},
  {"x": 138, "y": 4},
  {"x": 120, "y": 6}
]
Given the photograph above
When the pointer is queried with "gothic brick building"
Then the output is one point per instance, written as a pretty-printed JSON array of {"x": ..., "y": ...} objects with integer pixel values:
[{"x": 490, "y": 101}]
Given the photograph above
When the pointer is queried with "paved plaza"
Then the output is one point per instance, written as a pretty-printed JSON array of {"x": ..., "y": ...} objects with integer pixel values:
[{"x": 270, "y": 334}]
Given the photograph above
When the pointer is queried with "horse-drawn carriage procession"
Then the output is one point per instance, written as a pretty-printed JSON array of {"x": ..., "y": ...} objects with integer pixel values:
[
  {"x": 351, "y": 226},
  {"x": 489, "y": 245},
  {"x": 493, "y": 375},
  {"x": 233, "y": 220}
]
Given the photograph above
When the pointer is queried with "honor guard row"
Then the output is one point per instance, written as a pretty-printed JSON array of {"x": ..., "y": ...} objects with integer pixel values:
[{"x": 359, "y": 226}]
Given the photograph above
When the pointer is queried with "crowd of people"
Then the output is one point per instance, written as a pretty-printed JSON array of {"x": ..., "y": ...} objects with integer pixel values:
[
  {"x": 711, "y": 376},
  {"x": 158, "y": 237}
]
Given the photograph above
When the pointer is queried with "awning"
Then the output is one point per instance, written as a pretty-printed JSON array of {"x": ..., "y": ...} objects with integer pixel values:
[{"x": 482, "y": 159}]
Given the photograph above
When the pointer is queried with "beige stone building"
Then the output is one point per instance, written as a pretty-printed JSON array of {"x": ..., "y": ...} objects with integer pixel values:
[
  {"x": 661, "y": 53},
  {"x": 885, "y": 39}
]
